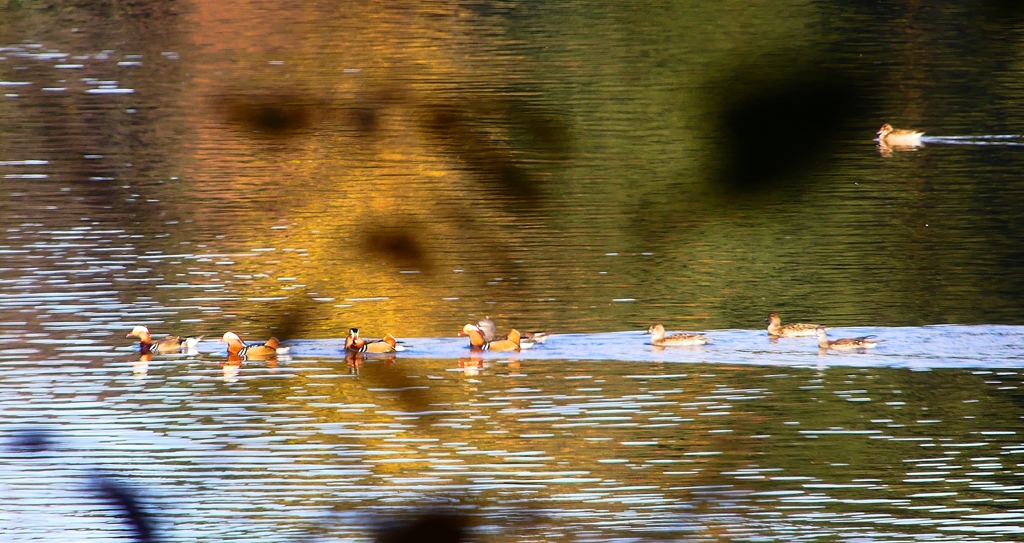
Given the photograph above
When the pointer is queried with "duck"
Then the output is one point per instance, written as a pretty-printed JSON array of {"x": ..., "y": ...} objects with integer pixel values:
[
  {"x": 167, "y": 345},
  {"x": 526, "y": 339},
  {"x": 356, "y": 344},
  {"x": 844, "y": 344},
  {"x": 794, "y": 329},
  {"x": 353, "y": 342},
  {"x": 510, "y": 344},
  {"x": 255, "y": 351},
  {"x": 658, "y": 337},
  {"x": 898, "y": 137},
  {"x": 477, "y": 340},
  {"x": 488, "y": 329}
]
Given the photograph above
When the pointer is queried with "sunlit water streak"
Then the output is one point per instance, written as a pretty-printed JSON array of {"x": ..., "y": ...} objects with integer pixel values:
[
  {"x": 1005, "y": 140},
  {"x": 596, "y": 449},
  {"x": 949, "y": 346}
]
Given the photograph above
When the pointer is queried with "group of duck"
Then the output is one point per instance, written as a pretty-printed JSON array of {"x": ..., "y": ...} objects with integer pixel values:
[
  {"x": 270, "y": 348},
  {"x": 483, "y": 336},
  {"x": 775, "y": 330}
]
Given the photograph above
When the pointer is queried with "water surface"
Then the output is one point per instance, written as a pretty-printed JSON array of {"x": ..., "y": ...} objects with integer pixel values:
[
  {"x": 579, "y": 168},
  {"x": 528, "y": 447}
]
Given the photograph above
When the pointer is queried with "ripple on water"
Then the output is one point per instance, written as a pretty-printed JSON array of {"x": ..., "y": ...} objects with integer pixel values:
[{"x": 644, "y": 451}]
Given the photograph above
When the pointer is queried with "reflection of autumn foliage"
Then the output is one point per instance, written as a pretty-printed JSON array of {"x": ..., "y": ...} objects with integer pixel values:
[
  {"x": 368, "y": 147},
  {"x": 658, "y": 439}
]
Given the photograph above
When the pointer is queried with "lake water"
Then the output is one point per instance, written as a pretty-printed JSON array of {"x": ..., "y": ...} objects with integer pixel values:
[{"x": 583, "y": 169}]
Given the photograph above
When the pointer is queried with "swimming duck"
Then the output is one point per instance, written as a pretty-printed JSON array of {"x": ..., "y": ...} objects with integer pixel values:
[
  {"x": 256, "y": 351},
  {"x": 356, "y": 344},
  {"x": 478, "y": 342},
  {"x": 659, "y": 338},
  {"x": 794, "y": 329},
  {"x": 845, "y": 344},
  {"x": 488, "y": 329},
  {"x": 898, "y": 137},
  {"x": 476, "y": 336},
  {"x": 526, "y": 340},
  {"x": 167, "y": 345},
  {"x": 509, "y": 344}
]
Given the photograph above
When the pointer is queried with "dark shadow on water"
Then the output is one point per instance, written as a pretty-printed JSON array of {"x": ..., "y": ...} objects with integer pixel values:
[
  {"x": 430, "y": 527},
  {"x": 772, "y": 131},
  {"x": 126, "y": 500},
  {"x": 105, "y": 485},
  {"x": 269, "y": 114},
  {"x": 399, "y": 245}
]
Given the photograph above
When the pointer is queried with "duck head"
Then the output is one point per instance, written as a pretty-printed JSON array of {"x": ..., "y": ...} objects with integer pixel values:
[
  {"x": 656, "y": 331},
  {"x": 353, "y": 342},
  {"x": 476, "y": 336},
  {"x": 823, "y": 341},
  {"x": 140, "y": 332},
  {"x": 487, "y": 328},
  {"x": 235, "y": 343},
  {"x": 885, "y": 130}
]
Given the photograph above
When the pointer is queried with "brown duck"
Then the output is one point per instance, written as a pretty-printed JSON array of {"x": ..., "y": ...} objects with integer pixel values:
[
  {"x": 795, "y": 329},
  {"x": 898, "y": 137},
  {"x": 845, "y": 344},
  {"x": 659, "y": 338}
]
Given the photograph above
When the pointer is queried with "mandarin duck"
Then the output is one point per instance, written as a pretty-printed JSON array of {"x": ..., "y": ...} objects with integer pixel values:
[
  {"x": 356, "y": 344},
  {"x": 254, "y": 351},
  {"x": 166, "y": 345}
]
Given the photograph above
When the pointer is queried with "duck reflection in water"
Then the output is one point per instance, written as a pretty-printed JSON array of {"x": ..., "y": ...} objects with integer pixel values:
[
  {"x": 231, "y": 367},
  {"x": 140, "y": 368},
  {"x": 473, "y": 365},
  {"x": 514, "y": 367},
  {"x": 355, "y": 360}
]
